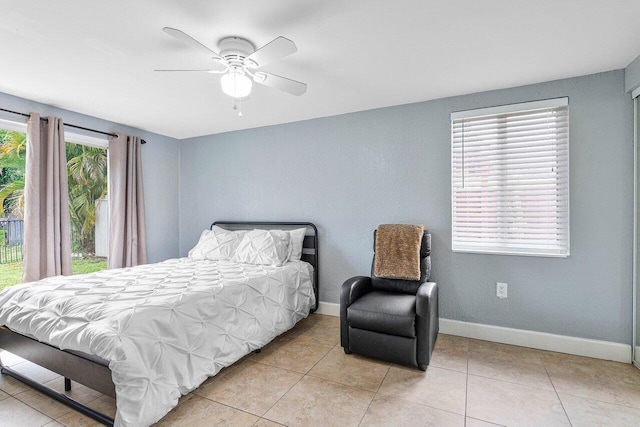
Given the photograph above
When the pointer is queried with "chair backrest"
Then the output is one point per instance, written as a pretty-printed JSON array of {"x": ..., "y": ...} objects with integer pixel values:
[{"x": 401, "y": 285}]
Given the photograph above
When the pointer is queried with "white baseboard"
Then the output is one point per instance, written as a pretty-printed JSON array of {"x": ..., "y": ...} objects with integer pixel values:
[
  {"x": 328, "y": 308},
  {"x": 561, "y": 343}
]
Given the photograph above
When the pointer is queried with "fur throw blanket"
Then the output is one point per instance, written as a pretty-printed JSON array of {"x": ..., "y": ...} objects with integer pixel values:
[{"x": 398, "y": 251}]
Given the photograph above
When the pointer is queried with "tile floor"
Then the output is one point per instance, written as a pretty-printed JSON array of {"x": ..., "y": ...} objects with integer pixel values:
[{"x": 304, "y": 378}]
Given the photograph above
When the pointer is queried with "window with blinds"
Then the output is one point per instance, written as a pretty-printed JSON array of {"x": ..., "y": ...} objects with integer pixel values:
[{"x": 510, "y": 179}]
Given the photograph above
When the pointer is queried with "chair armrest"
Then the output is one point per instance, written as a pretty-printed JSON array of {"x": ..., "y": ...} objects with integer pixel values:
[
  {"x": 427, "y": 321},
  {"x": 351, "y": 290},
  {"x": 427, "y": 294},
  {"x": 354, "y": 288}
]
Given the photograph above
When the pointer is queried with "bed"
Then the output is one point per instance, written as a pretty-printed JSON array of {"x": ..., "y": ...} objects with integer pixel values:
[{"x": 149, "y": 334}]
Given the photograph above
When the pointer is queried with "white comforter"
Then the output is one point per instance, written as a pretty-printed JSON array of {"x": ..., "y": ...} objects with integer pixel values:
[{"x": 164, "y": 328}]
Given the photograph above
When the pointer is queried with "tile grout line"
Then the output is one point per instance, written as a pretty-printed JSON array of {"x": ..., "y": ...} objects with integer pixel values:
[
  {"x": 375, "y": 394},
  {"x": 278, "y": 367},
  {"x": 297, "y": 382},
  {"x": 602, "y": 401},
  {"x": 449, "y": 369},
  {"x": 411, "y": 401},
  {"x": 35, "y": 409},
  {"x": 534, "y": 388},
  {"x": 557, "y": 394},
  {"x": 223, "y": 404},
  {"x": 348, "y": 385},
  {"x": 511, "y": 382},
  {"x": 466, "y": 397},
  {"x": 271, "y": 421},
  {"x": 291, "y": 370},
  {"x": 424, "y": 405}
]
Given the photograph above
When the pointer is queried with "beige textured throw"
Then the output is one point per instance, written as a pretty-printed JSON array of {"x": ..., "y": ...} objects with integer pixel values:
[{"x": 398, "y": 251}]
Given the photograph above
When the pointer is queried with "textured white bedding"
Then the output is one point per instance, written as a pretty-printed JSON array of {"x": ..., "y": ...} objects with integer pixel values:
[{"x": 165, "y": 327}]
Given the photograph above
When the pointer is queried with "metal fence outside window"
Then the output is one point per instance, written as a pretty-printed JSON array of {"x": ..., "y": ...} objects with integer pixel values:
[{"x": 11, "y": 234}]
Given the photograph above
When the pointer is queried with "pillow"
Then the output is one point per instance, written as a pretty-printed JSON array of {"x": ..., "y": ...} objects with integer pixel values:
[
  {"x": 216, "y": 244},
  {"x": 295, "y": 245},
  {"x": 264, "y": 247}
]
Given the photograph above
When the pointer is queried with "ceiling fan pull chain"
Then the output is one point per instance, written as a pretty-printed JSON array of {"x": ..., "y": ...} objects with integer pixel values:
[{"x": 238, "y": 108}]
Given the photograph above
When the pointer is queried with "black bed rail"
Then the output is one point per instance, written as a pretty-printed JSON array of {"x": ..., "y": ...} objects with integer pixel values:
[{"x": 62, "y": 398}]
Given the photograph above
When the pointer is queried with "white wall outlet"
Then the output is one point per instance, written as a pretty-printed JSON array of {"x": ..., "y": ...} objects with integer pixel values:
[{"x": 501, "y": 290}]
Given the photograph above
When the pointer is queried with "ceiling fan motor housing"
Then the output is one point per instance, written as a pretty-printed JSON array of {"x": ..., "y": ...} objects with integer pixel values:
[{"x": 235, "y": 49}]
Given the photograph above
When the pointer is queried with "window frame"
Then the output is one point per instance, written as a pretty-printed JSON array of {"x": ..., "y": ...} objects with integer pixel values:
[{"x": 493, "y": 248}]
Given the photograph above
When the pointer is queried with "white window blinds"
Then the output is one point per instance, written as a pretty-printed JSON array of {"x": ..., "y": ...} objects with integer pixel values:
[{"x": 510, "y": 179}]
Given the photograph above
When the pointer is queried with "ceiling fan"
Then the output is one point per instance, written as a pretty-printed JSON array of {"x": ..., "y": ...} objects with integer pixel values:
[{"x": 239, "y": 63}]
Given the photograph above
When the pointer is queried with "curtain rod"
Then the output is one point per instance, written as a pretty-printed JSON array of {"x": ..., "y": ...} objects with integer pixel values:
[{"x": 67, "y": 124}]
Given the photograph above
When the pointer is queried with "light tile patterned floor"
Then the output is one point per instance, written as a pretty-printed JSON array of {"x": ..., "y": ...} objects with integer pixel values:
[{"x": 303, "y": 378}]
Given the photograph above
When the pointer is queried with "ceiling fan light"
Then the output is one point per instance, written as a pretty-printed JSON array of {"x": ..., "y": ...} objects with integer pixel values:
[{"x": 236, "y": 84}]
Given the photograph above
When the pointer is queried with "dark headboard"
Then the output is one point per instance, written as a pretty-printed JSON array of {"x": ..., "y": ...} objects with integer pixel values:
[{"x": 309, "y": 248}]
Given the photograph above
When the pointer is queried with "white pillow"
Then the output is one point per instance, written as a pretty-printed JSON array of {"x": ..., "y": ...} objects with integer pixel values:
[
  {"x": 265, "y": 247},
  {"x": 216, "y": 244},
  {"x": 296, "y": 243}
]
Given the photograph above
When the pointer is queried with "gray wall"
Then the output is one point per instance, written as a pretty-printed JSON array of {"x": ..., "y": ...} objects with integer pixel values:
[
  {"x": 350, "y": 173},
  {"x": 160, "y": 171}
]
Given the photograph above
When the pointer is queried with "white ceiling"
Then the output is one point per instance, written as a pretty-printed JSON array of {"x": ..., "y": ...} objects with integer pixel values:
[{"x": 98, "y": 58}]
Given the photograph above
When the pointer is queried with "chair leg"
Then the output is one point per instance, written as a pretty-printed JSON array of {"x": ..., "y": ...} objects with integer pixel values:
[
  {"x": 423, "y": 367},
  {"x": 347, "y": 351}
]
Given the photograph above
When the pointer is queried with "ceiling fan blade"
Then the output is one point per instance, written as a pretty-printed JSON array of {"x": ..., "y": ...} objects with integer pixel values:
[
  {"x": 187, "y": 39},
  {"x": 277, "y": 82},
  {"x": 274, "y": 50},
  {"x": 224, "y": 70},
  {"x": 202, "y": 71}
]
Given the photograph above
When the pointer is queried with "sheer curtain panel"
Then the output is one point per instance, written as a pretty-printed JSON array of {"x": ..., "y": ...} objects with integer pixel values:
[
  {"x": 47, "y": 235},
  {"x": 127, "y": 234}
]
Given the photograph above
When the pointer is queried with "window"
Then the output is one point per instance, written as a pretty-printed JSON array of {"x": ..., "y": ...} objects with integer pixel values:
[
  {"x": 87, "y": 177},
  {"x": 88, "y": 204},
  {"x": 510, "y": 179}
]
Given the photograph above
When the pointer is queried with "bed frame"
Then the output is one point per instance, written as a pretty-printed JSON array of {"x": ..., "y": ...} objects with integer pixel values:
[{"x": 93, "y": 371}]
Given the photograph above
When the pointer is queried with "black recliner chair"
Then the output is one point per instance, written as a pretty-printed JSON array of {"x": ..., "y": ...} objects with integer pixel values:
[{"x": 389, "y": 319}]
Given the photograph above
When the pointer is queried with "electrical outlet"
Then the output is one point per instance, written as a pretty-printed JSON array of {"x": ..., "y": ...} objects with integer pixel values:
[{"x": 501, "y": 290}]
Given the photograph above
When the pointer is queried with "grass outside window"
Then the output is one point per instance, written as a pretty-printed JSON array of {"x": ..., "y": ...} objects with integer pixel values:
[{"x": 11, "y": 273}]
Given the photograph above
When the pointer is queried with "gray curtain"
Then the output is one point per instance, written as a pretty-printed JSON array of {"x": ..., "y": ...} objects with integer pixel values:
[
  {"x": 127, "y": 234},
  {"x": 47, "y": 236}
]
